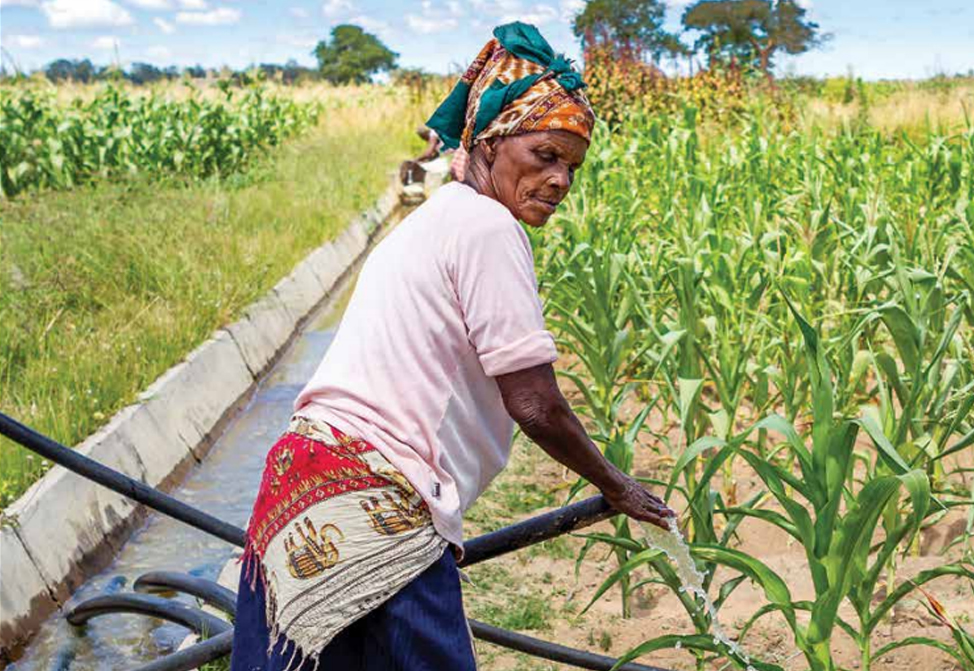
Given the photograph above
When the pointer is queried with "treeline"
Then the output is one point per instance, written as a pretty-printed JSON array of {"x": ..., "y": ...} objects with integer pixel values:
[{"x": 84, "y": 71}]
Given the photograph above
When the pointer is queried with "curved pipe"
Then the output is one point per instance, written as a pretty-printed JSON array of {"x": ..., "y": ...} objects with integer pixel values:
[
  {"x": 194, "y": 656},
  {"x": 536, "y": 529},
  {"x": 209, "y": 592},
  {"x": 556, "y": 653},
  {"x": 153, "y": 606}
]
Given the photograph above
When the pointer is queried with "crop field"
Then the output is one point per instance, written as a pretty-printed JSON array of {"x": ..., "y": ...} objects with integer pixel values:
[
  {"x": 770, "y": 321},
  {"x": 762, "y": 301},
  {"x": 49, "y": 144}
]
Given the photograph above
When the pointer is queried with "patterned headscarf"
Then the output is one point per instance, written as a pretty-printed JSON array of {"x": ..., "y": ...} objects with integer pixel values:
[{"x": 515, "y": 85}]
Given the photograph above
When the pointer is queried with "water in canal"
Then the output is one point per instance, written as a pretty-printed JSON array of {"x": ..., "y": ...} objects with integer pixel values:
[{"x": 224, "y": 485}]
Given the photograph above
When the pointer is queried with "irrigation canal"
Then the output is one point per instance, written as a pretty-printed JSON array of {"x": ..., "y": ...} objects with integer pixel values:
[{"x": 224, "y": 484}]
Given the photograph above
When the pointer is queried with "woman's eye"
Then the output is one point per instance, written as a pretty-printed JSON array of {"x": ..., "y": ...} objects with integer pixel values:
[{"x": 547, "y": 157}]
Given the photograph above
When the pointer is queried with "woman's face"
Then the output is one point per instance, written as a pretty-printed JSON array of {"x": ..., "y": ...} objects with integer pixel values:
[{"x": 532, "y": 173}]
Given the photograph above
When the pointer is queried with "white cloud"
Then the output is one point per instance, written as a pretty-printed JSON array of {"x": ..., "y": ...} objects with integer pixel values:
[
  {"x": 220, "y": 16},
  {"x": 299, "y": 12},
  {"x": 371, "y": 25},
  {"x": 24, "y": 41},
  {"x": 195, "y": 5},
  {"x": 433, "y": 20},
  {"x": 18, "y": 3},
  {"x": 150, "y": 4},
  {"x": 85, "y": 13},
  {"x": 497, "y": 6},
  {"x": 570, "y": 9},
  {"x": 306, "y": 42},
  {"x": 455, "y": 8},
  {"x": 159, "y": 53},
  {"x": 427, "y": 25},
  {"x": 335, "y": 7},
  {"x": 163, "y": 25},
  {"x": 105, "y": 43},
  {"x": 537, "y": 15}
]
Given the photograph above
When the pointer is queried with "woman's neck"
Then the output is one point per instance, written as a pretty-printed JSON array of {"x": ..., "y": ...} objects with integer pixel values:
[{"x": 478, "y": 175}]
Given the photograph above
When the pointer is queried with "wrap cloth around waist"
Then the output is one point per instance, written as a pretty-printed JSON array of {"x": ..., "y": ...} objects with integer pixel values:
[{"x": 336, "y": 530}]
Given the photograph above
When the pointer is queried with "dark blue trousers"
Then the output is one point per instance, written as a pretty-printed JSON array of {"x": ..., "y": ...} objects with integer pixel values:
[{"x": 422, "y": 627}]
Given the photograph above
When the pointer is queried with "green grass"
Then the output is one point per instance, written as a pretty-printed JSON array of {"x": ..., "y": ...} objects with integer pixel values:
[
  {"x": 104, "y": 287},
  {"x": 499, "y": 598}
]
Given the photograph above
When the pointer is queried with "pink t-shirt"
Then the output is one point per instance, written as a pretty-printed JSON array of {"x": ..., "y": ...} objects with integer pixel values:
[{"x": 447, "y": 301}]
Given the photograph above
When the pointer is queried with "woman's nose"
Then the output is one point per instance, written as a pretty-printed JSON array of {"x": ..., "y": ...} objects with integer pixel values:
[{"x": 560, "y": 179}]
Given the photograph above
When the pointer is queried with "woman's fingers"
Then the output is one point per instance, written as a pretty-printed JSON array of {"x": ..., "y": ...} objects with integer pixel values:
[{"x": 637, "y": 502}]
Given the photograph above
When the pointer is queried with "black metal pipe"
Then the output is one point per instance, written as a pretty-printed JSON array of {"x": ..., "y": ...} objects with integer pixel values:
[
  {"x": 194, "y": 656},
  {"x": 552, "y": 651},
  {"x": 536, "y": 529},
  {"x": 153, "y": 606},
  {"x": 210, "y": 592},
  {"x": 118, "y": 482}
]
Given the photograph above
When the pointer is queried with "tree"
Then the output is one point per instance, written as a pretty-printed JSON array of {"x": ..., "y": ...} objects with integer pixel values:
[
  {"x": 62, "y": 69},
  {"x": 195, "y": 72},
  {"x": 352, "y": 56},
  {"x": 752, "y": 30},
  {"x": 631, "y": 27},
  {"x": 144, "y": 73}
]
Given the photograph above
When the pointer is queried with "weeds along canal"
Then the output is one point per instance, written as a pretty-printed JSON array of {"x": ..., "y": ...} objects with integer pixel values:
[{"x": 224, "y": 484}]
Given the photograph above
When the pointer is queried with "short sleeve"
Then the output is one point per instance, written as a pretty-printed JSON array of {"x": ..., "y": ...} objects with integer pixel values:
[{"x": 498, "y": 293}]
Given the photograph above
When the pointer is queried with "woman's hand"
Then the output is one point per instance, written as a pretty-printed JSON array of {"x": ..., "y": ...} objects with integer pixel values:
[{"x": 629, "y": 497}]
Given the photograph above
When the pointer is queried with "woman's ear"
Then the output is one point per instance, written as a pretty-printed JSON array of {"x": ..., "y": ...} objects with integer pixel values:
[{"x": 490, "y": 149}]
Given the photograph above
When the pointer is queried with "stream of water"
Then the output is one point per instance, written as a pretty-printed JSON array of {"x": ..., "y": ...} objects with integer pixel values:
[
  {"x": 225, "y": 485},
  {"x": 692, "y": 580}
]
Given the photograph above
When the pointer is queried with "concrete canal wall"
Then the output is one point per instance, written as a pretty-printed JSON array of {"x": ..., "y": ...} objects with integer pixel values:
[{"x": 65, "y": 528}]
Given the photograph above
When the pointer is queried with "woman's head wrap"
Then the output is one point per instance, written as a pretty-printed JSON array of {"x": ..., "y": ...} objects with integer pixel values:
[{"x": 515, "y": 85}]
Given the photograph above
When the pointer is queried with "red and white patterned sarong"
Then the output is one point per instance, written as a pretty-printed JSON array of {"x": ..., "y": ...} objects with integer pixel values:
[{"x": 336, "y": 530}]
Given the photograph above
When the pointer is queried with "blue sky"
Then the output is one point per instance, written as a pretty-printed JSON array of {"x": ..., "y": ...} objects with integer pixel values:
[{"x": 876, "y": 38}]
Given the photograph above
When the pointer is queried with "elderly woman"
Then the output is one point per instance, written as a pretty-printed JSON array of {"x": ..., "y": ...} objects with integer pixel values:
[{"x": 410, "y": 414}]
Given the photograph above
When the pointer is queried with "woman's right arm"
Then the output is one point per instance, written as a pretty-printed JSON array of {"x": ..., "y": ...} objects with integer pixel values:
[{"x": 533, "y": 400}]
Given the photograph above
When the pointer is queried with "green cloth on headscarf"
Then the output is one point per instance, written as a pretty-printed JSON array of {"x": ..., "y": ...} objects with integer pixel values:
[
  {"x": 449, "y": 117},
  {"x": 524, "y": 41}
]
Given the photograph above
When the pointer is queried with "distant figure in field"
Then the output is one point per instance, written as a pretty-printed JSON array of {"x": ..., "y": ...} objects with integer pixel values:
[
  {"x": 355, "y": 537},
  {"x": 435, "y": 148},
  {"x": 434, "y": 145}
]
